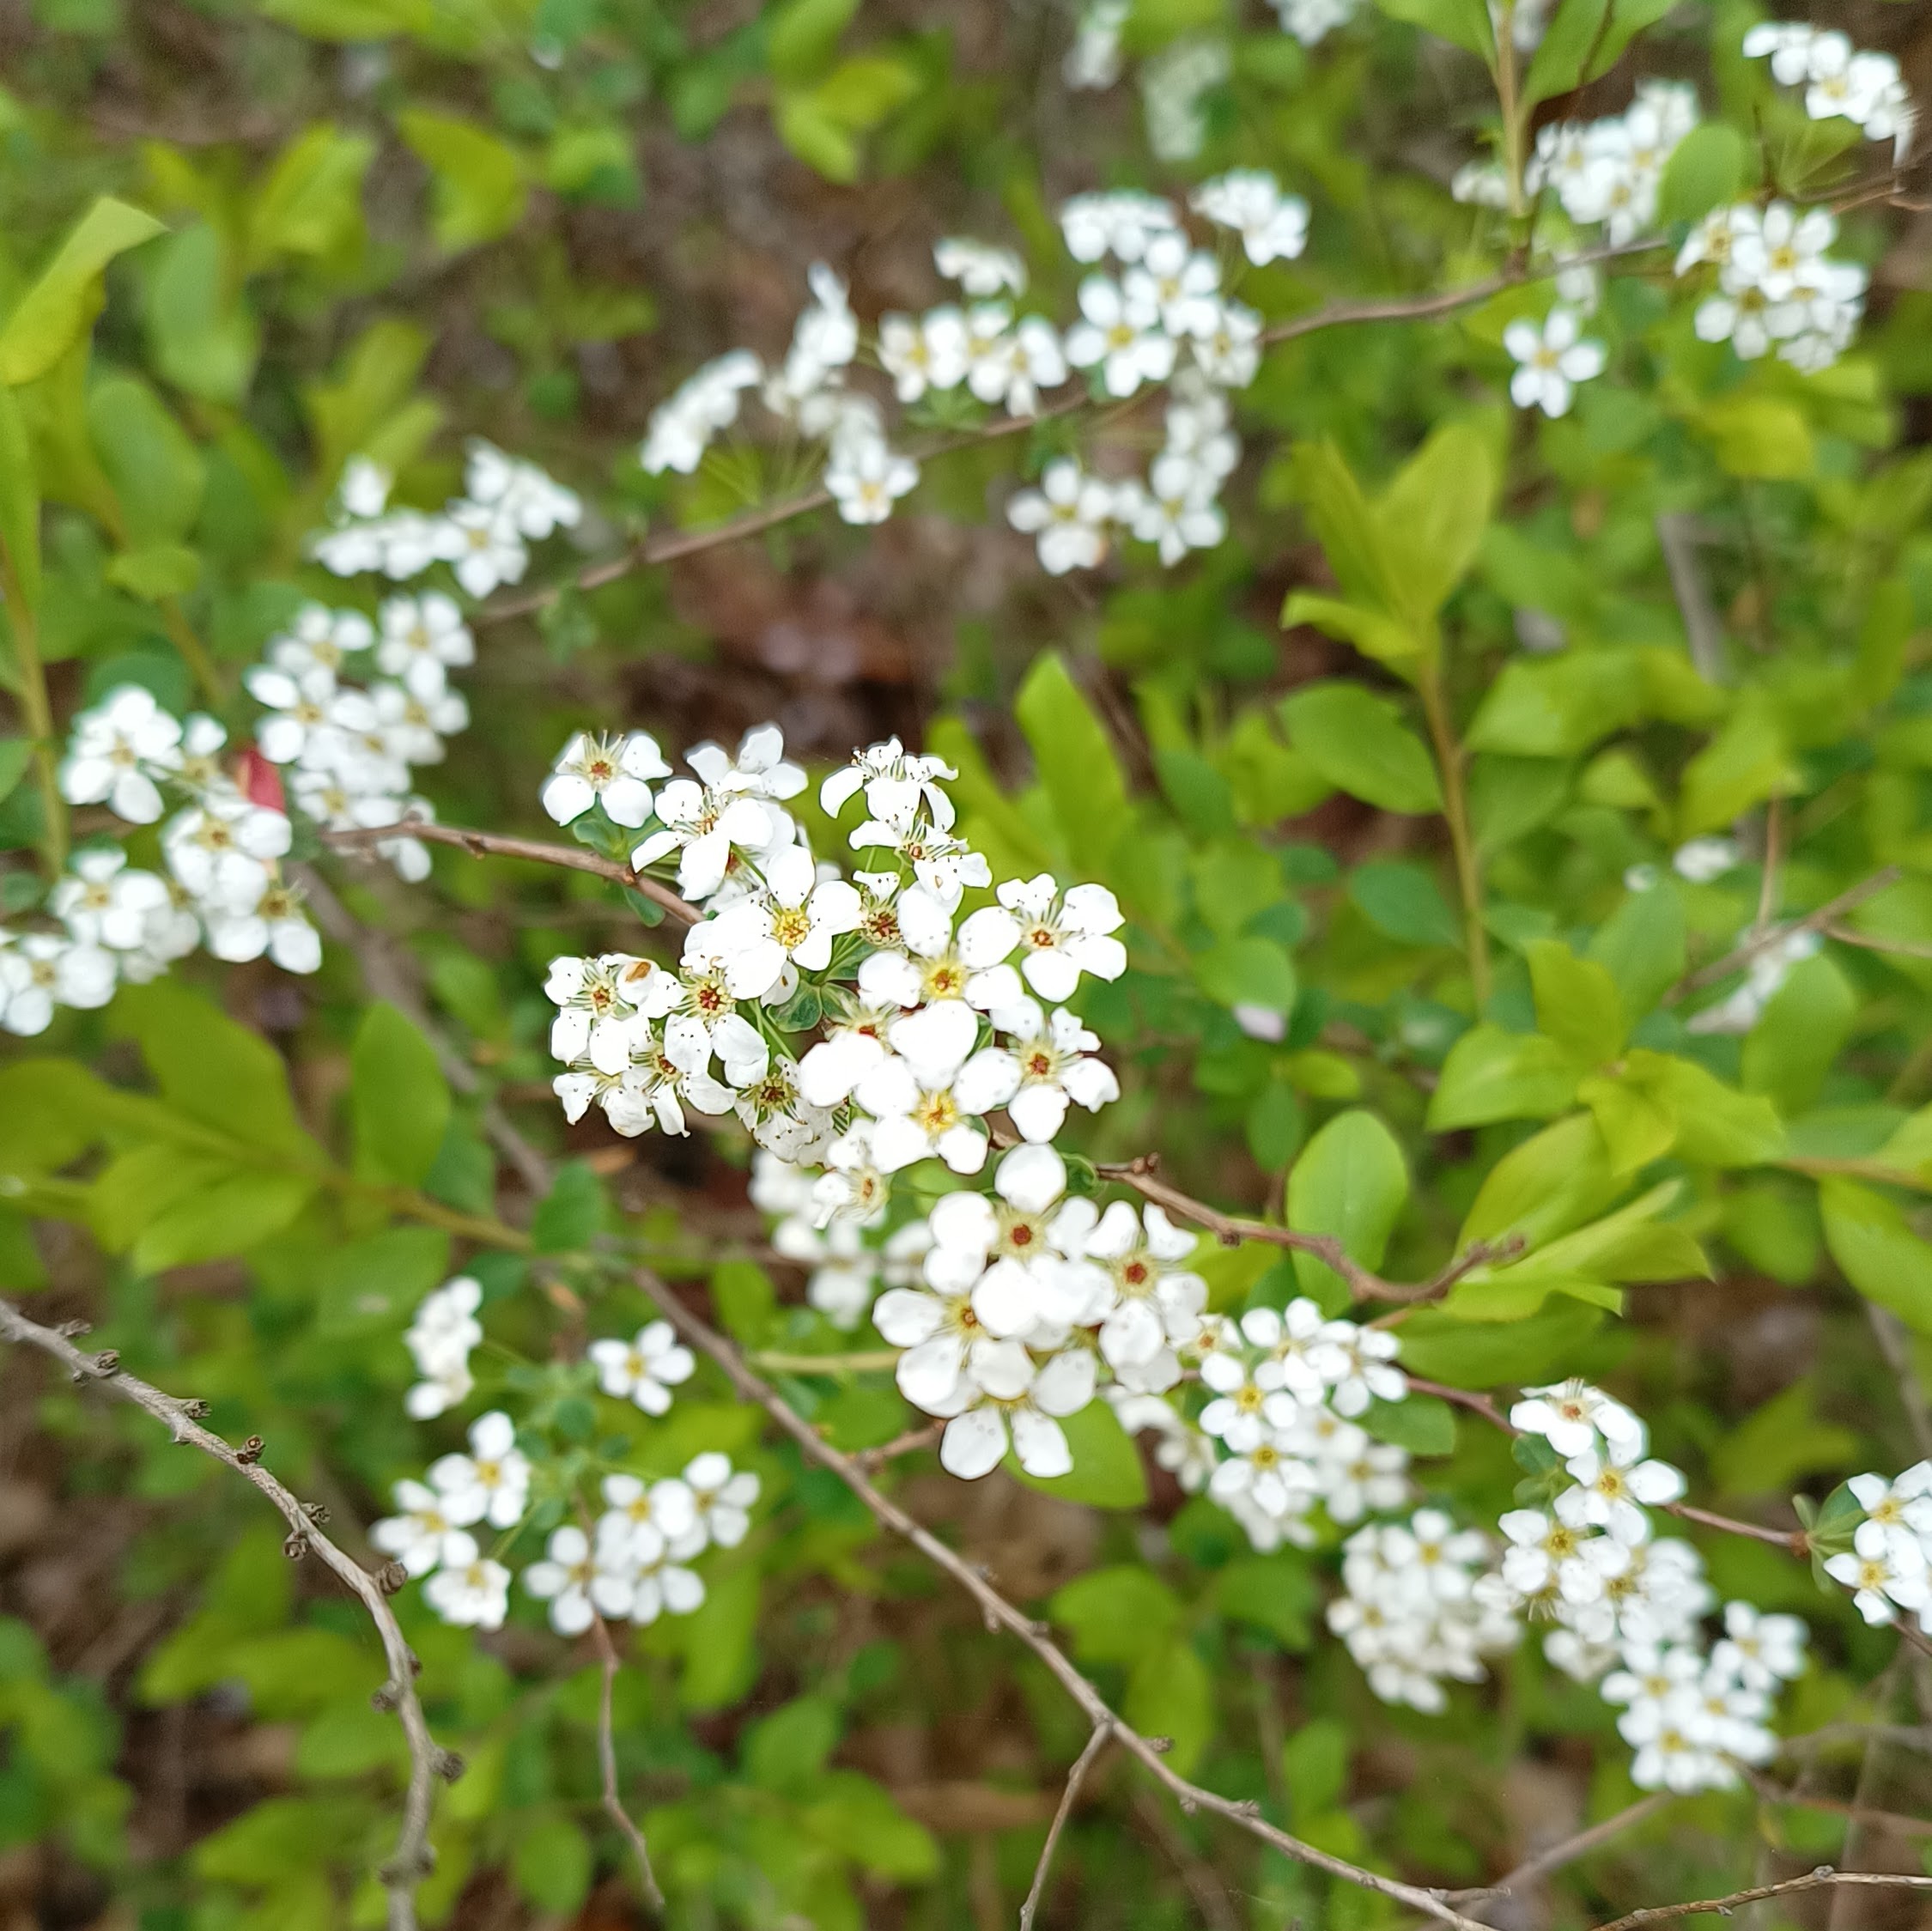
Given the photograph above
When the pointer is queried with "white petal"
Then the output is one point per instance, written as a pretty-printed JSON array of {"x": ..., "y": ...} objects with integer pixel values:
[{"x": 973, "y": 1443}]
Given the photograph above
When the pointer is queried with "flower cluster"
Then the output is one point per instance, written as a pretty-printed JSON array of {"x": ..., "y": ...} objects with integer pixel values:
[
  {"x": 1412, "y": 1613},
  {"x": 484, "y": 534},
  {"x": 1839, "y": 81},
  {"x": 1775, "y": 285},
  {"x": 441, "y": 1339},
  {"x": 1165, "y": 317},
  {"x": 1889, "y": 1565},
  {"x": 1608, "y": 171},
  {"x": 846, "y": 1261}
]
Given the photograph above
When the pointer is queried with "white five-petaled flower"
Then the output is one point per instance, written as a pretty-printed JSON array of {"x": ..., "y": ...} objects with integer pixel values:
[
  {"x": 615, "y": 772},
  {"x": 491, "y": 1483},
  {"x": 866, "y": 479},
  {"x": 643, "y": 1371},
  {"x": 1551, "y": 360},
  {"x": 104, "y": 902},
  {"x": 1613, "y": 1496},
  {"x": 1036, "y": 1076},
  {"x": 721, "y": 1500},
  {"x": 1122, "y": 334},
  {"x": 1571, "y": 1415},
  {"x": 419, "y": 1537},
  {"x": 794, "y": 923},
  {"x": 116, "y": 750},
  {"x": 1272, "y": 226},
  {"x": 469, "y": 1590},
  {"x": 979, "y": 267}
]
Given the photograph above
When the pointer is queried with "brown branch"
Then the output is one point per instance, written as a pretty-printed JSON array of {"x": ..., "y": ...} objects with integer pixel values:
[
  {"x": 413, "y": 1856},
  {"x": 1742, "y": 955},
  {"x": 1464, "y": 1398},
  {"x": 912, "y": 1443},
  {"x": 1905, "y": 948},
  {"x": 654, "y": 551},
  {"x": 1774, "y": 1793},
  {"x": 1103, "y": 1736},
  {"x": 491, "y": 844},
  {"x": 1569, "y": 1850},
  {"x": 1000, "y": 1614},
  {"x": 1793, "y": 1541},
  {"x": 607, "y": 1765},
  {"x": 1820, "y": 1879},
  {"x": 1143, "y": 1175}
]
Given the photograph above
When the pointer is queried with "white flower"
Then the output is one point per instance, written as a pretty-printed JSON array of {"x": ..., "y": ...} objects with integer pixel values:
[
  {"x": 222, "y": 850},
  {"x": 975, "y": 1441},
  {"x": 922, "y": 352},
  {"x": 916, "y": 1113},
  {"x": 484, "y": 546},
  {"x": 1178, "y": 284},
  {"x": 864, "y": 478},
  {"x": 682, "y": 428},
  {"x": 320, "y": 639},
  {"x": 43, "y": 971},
  {"x": 1038, "y": 1075},
  {"x": 1069, "y": 513},
  {"x": 1703, "y": 860},
  {"x": 1906, "y": 1503},
  {"x": 1571, "y": 1415},
  {"x": 710, "y": 829},
  {"x": 1172, "y": 83},
  {"x": 1060, "y": 938},
  {"x": 469, "y": 1590},
  {"x": 721, "y": 1502},
  {"x": 534, "y": 504},
  {"x": 1612, "y": 1496},
  {"x": 1093, "y": 61},
  {"x": 1155, "y": 1305},
  {"x": 1759, "y": 1650},
  {"x": 824, "y": 339},
  {"x": 980, "y": 268},
  {"x": 1272, "y": 226},
  {"x": 1179, "y": 512},
  {"x": 116, "y": 751},
  {"x": 1355, "y": 1363},
  {"x": 895, "y": 784},
  {"x": 274, "y": 923},
  {"x": 1779, "y": 250},
  {"x": 363, "y": 491},
  {"x": 1121, "y": 334},
  {"x": 643, "y": 1519},
  {"x": 491, "y": 1483},
  {"x": 1788, "y": 44},
  {"x": 1121, "y": 224},
  {"x": 1886, "y": 1569},
  {"x": 424, "y": 639},
  {"x": 103, "y": 902},
  {"x": 662, "y": 1587},
  {"x": 1551, "y": 360},
  {"x": 943, "y": 976},
  {"x": 566, "y": 1579},
  {"x": 645, "y": 1369},
  {"x": 1014, "y": 364},
  {"x": 1311, "y": 21},
  {"x": 604, "y": 1008},
  {"x": 1227, "y": 349},
  {"x": 419, "y": 1538},
  {"x": 614, "y": 772}
]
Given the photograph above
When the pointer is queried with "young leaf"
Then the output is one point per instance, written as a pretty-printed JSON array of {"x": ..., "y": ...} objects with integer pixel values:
[
  {"x": 1076, "y": 762},
  {"x": 1880, "y": 1255},
  {"x": 1358, "y": 742},
  {"x": 1352, "y": 1181},
  {"x": 398, "y": 1100},
  {"x": 59, "y": 309}
]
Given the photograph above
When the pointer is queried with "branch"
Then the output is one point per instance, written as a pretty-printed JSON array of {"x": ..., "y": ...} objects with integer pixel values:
[
  {"x": 1905, "y": 948},
  {"x": 413, "y": 1856},
  {"x": 1103, "y": 1736},
  {"x": 1820, "y": 1879},
  {"x": 649, "y": 553},
  {"x": 490, "y": 844},
  {"x": 1742, "y": 955},
  {"x": 607, "y": 1763},
  {"x": 1793, "y": 1541},
  {"x": 1569, "y": 1850},
  {"x": 999, "y": 1614},
  {"x": 1143, "y": 1175}
]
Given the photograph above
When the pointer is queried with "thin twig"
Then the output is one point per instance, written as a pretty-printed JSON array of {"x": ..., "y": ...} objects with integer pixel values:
[
  {"x": 491, "y": 844},
  {"x": 913, "y": 1442},
  {"x": 1896, "y": 1345},
  {"x": 1741, "y": 954},
  {"x": 1103, "y": 1736},
  {"x": 1792, "y": 1541},
  {"x": 1202, "y": 1879},
  {"x": 1143, "y": 1175},
  {"x": 1464, "y": 1398},
  {"x": 1905, "y": 948},
  {"x": 413, "y": 1856},
  {"x": 1820, "y": 1879},
  {"x": 672, "y": 549},
  {"x": 607, "y": 1764},
  {"x": 1000, "y": 1614},
  {"x": 1569, "y": 1850}
]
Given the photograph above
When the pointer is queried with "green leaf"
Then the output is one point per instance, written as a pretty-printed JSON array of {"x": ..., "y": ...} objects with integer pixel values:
[
  {"x": 1170, "y": 1694},
  {"x": 1628, "y": 18},
  {"x": 1076, "y": 762},
  {"x": 1642, "y": 944},
  {"x": 202, "y": 333},
  {"x": 803, "y": 36},
  {"x": 824, "y": 145},
  {"x": 552, "y": 1864},
  {"x": 1275, "y": 1593},
  {"x": 481, "y": 184},
  {"x": 1106, "y": 1472},
  {"x": 351, "y": 20},
  {"x": 1404, "y": 902},
  {"x": 1432, "y": 517},
  {"x": 1387, "y": 639},
  {"x": 572, "y": 1214},
  {"x": 1559, "y": 706},
  {"x": 1757, "y": 436},
  {"x": 858, "y": 94},
  {"x": 1250, "y": 971},
  {"x": 1464, "y": 23},
  {"x": 228, "y": 1217},
  {"x": 157, "y": 473},
  {"x": 1484, "y": 1355},
  {"x": 20, "y": 506},
  {"x": 17, "y": 755},
  {"x": 1877, "y": 1252},
  {"x": 745, "y": 1300},
  {"x": 1747, "y": 763},
  {"x": 155, "y": 572},
  {"x": 1358, "y": 742},
  {"x": 1573, "y": 31},
  {"x": 215, "y": 1071},
  {"x": 310, "y": 203},
  {"x": 856, "y": 1817},
  {"x": 1554, "y": 1180},
  {"x": 374, "y": 1286},
  {"x": 1706, "y": 170},
  {"x": 786, "y": 1750},
  {"x": 1789, "y": 1051},
  {"x": 1351, "y": 1181},
  {"x": 1490, "y": 1074},
  {"x": 1578, "y": 1003},
  {"x": 1716, "y": 1126},
  {"x": 1117, "y": 1615},
  {"x": 1424, "y": 1424},
  {"x": 60, "y": 308},
  {"x": 398, "y": 1100}
]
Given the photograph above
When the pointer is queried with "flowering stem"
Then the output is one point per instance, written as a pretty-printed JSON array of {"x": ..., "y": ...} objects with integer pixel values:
[
  {"x": 38, "y": 715},
  {"x": 1455, "y": 809}
]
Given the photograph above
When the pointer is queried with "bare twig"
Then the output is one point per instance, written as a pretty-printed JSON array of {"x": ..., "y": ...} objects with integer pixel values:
[
  {"x": 607, "y": 1764},
  {"x": 1143, "y": 1175},
  {"x": 1678, "y": 535},
  {"x": 387, "y": 977},
  {"x": 1756, "y": 942},
  {"x": 1203, "y": 1881},
  {"x": 1895, "y": 1344},
  {"x": 490, "y": 844},
  {"x": 1820, "y": 1879},
  {"x": 1000, "y": 1614},
  {"x": 913, "y": 1442},
  {"x": 1905, "y": 948},
  {"x": 1580, "y": 1845},
  {"x": 1103, "y": 1736},
  {"x": 1463, "y": 1398},
  {"x": 413, "y": 1857},
  {"x": 672, "y": 549},
  {"x": 1793, "y": 1541}
]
